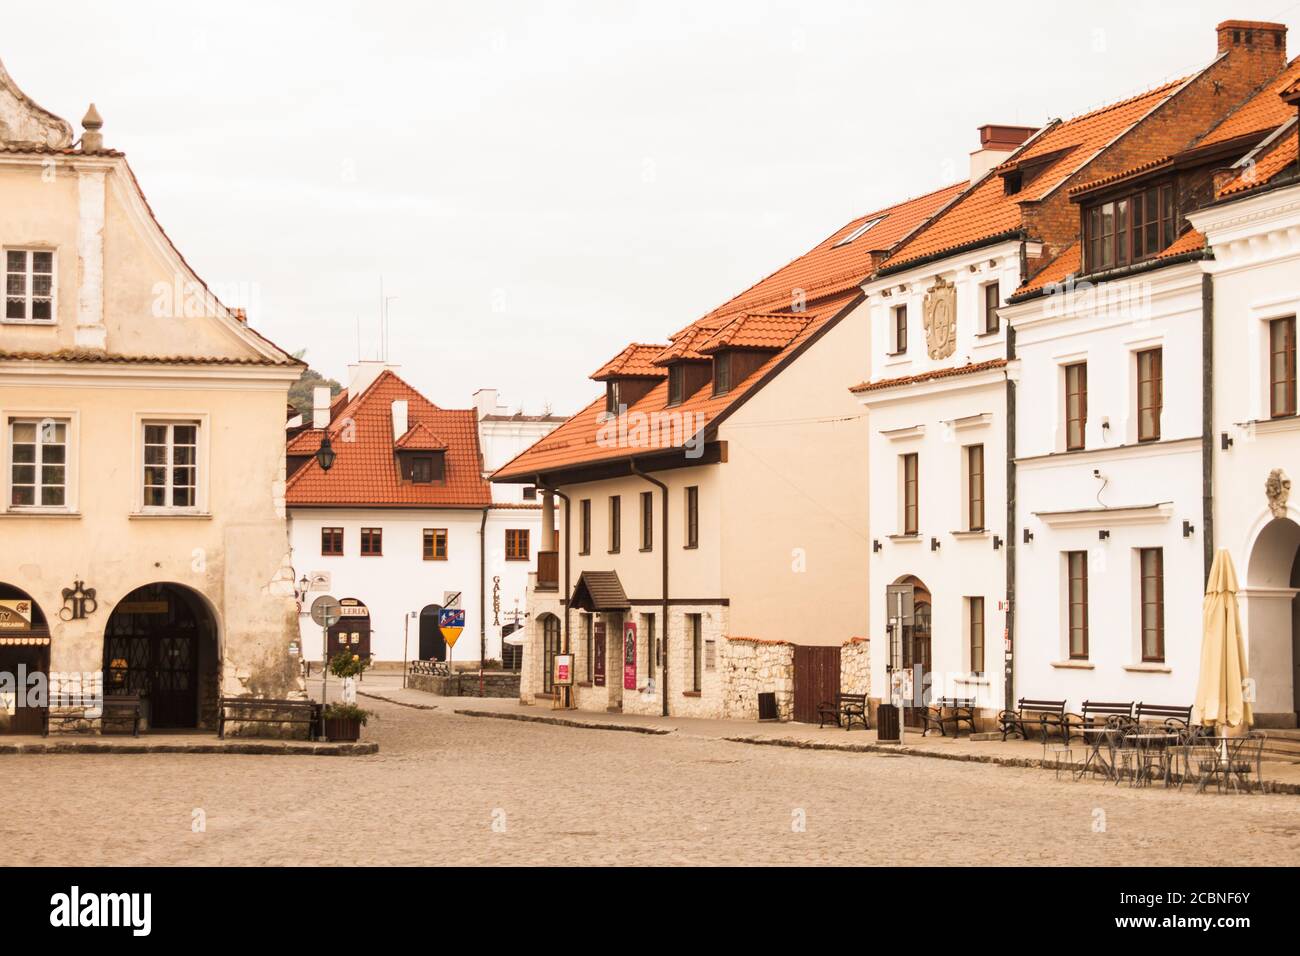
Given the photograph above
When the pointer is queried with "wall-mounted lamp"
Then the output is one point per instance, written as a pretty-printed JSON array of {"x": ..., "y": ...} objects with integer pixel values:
[
  {"x": 1188, "y": 528},
  {"x": 325, "y": 454},
  {"x": 1028, "y": 536},
  {"x": 934, "y": 544},
  {"x": 997, "y": 542},
  {"x": 875, "y": 545},
  {"x": 1103, "y": 534},
  {"x": 1225, "y": 442}
]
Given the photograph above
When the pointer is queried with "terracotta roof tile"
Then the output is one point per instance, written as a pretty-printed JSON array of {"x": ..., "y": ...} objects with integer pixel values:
[
  {"x": 1190, "y": 241},
  {"x": 1065, "y": 147},
  {"x": 1275, "y": 159},
  {"x": 633, "y": 362},
  {"x": 756, "y": 330},
  {"x": 91, "y": 356},
  {"x": 934, "y": 374},
  {"x": 814, "y": 289},
  {"x": 420, "y": 437},
  {"x": 1264, "y": 111},
  {"x": 685, "y": 345},
  {"x": 1056, "y": 271},
  {"x": 365, "y": 471}
]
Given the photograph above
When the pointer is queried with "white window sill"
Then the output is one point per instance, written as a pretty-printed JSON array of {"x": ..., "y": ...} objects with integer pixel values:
[
  {"x": 1149, "y": 667},
  {"x": 970, "y": 534},
  {"x": 1075, "y": 665},
  {"x": 40, "y": 513},
  {"x": 901, "y": 538},
  {"x": 42, "y": 323},
  {"x": 201, "y": 515},
  {"x": 978, "y": 681}
]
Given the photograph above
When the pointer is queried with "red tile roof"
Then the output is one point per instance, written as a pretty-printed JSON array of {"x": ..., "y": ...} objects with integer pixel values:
[
  {"x": 420, "y": 437},
  {"x": 633, "y": 362},
  {"x": 932, "y": 375},
  {"x": 756, "y": 330},
  {"x": 815, "y": 287},
  {"x": 1275, "y": 159},
  {"x": 1062, "y": 148},
  {"x": 94, "y": 355},
  {"x": 1069, "y": 263},
  {"x": 686, "y": 345},
  {"x": 365, "y": 472},
  {"x": 1266, "y": 110}
]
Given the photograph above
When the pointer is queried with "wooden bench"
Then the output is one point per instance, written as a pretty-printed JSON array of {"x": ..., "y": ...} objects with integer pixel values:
[
  {"x": 844, "y": 711},
  {"x": 1175, "y": 718},
  {"x": 1048, "y": 716},
  {"x": 1098, "y": 713},
  {"x": 963, "y": 711},
  {"x": 262, "y": 710},
  {"x": 68, "y": 708}
]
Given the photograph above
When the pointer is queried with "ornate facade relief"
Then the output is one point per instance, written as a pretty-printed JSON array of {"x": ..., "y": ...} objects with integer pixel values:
[
  {"x": 23, "y": 123},
  {"x": 1278, "y": 490},
  {"x": 939, "y": 315}
]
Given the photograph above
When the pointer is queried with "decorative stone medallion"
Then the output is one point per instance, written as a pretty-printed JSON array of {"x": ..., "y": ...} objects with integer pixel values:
[
  {"x": 1278, "y": 490},
  {"x": 939, "y": 314}
]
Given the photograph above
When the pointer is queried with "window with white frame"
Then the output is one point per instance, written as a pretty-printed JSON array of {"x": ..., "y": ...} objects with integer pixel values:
[
  {"x": 171, "y": 465},
  {"x": 38, "y": 463},
  {"x": 29, "y": 285}
]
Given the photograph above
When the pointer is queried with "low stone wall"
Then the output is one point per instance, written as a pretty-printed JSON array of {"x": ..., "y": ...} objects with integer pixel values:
[
  {"x": 855, "y": 666},
  {"x": 749, "y": 667},
  {"x": 466, "y": 684}
]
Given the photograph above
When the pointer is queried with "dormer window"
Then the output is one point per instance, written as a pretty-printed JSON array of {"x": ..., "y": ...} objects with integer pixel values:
[
  {"x": 612, "y": 397},
  {"x": 676, "y": 384},
  {"x": 722, "y": 373},
  {"x": 29, "y": 285},
  {"x": 1129, "y": 228},
  {"x": 422, "y": 467}
]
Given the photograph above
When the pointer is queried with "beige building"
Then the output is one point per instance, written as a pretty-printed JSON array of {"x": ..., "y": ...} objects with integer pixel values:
[
  {"x": 716, "y": 496},
  {"x": 143, "y": 545}
]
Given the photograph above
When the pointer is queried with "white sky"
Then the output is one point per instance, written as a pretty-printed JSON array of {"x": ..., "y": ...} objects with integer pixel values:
[{"x": 540, "y": 184}]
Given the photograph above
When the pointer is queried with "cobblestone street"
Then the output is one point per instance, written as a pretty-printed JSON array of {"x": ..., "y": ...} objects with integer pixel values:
[{"x": 448, "y": 789}]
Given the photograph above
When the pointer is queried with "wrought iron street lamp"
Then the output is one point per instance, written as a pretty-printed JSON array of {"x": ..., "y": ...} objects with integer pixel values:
[{"x": 325, "y": 454}]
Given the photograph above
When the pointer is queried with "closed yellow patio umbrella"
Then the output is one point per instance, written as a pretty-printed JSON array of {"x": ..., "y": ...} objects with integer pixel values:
[{"x": 1219, "y": 699}]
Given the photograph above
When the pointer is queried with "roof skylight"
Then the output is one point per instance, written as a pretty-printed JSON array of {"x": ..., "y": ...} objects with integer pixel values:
[{"x": 857, "y": 233}]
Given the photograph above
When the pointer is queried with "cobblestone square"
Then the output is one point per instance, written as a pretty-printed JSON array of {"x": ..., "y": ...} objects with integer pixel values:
[{"x": 451, "y": 789}]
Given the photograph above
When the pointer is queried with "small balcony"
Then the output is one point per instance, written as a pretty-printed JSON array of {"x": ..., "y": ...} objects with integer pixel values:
[{"x": 548, "y": 570}]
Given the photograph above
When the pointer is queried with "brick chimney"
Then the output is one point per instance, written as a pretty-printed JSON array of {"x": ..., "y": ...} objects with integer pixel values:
[
  {"x": 996, "y": 144},
  {"x": 1262, "y": 41}
]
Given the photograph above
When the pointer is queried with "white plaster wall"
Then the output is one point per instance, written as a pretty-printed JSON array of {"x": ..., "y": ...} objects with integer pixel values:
[{"x": 1256, "y": 277}]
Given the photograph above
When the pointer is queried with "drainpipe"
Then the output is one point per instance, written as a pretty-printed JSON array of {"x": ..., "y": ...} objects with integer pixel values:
[
  {"x": 663, "y": 620},
  {"x": 568, "y": 648},
  {"x": 1207, "y": 422},
  {"x": 1009, "y": 649}
]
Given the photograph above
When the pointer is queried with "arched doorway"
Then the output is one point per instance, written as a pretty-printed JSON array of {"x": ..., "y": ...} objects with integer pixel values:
[
  {"x": 909, "y": 610},
  {"x": 351, "y": 632},
  {"x": 1273, "y": 609},
  {"x": 433, "y": 646},
  {"x": 24, "y": 653},
  {"x": 550, "y": 625},
  {"x": 160, "y": 642}
]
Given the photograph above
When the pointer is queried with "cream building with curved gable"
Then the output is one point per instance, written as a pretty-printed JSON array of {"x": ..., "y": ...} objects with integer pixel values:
[{"x": 143, "y": 542}]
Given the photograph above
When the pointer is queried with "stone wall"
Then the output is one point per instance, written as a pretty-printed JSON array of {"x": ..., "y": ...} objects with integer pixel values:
[
  {"x": 855, "y": 666},
  {"x": 751, "y": 667},
  {"x": 466, "y": 684}
]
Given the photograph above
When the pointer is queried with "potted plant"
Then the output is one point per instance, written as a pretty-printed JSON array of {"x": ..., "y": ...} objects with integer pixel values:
[
  {"x": 349, "y": 667},
  {"x": 343, "y": 722}
]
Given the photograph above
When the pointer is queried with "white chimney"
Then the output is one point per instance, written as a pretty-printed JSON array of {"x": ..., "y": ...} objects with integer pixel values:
[
  {"x": 485, "y": 402},
  {"x": 400, "y": 425},
  {"x": 320, "y": 406},
  {"x": 364, "y": 372},
  {"x": 996, "y": 144}
]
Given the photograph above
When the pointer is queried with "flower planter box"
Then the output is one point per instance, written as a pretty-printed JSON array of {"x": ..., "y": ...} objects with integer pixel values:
[{"x": 342, "y": 729}]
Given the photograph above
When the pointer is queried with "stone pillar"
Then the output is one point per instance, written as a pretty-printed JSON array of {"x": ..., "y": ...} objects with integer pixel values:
[{"x": 91, "y": 333}]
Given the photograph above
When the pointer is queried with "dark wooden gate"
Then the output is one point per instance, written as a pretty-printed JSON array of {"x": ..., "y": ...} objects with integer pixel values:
[{"x": 816, "y": 679}]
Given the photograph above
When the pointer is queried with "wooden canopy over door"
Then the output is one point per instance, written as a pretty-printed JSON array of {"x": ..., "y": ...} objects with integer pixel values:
[{"x": 816, "y": 680}]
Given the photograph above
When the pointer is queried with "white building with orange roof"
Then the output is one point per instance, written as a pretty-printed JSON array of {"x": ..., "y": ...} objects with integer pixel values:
[
  {"x": 1114, "y": 428},
  {"x": 1252, "y": 230},
  {"x": 405, "y": 523},
  {"x": 955, "y": 582},
  {"x": 714, "y": 522}
]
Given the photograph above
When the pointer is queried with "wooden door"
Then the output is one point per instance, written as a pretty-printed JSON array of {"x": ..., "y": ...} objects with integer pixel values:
[{"x": 816, "y": 680}]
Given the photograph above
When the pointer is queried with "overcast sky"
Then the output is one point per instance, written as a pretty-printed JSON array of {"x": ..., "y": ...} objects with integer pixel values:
[{"x": 541, "y": 183}]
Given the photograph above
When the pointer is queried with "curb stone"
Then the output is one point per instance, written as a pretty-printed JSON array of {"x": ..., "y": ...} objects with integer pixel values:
[{"x": 565, "y": 722}]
